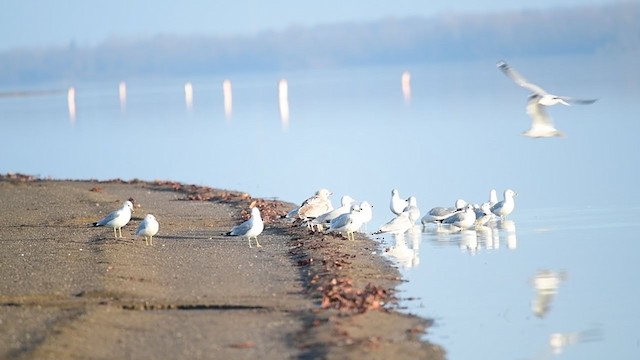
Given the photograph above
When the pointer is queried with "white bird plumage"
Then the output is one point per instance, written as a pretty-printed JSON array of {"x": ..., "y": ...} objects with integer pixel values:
[
  {"x": 316, "y": 205},
  {"x": 506, "y": 206},
  {"x": 319, "y": 222},
  {"x": 250, "y": 228},
  {"x": 347, "y": 223},
  {"x": 439, "y": 213},
  {"x": 117, "y": 219},
  {"x": 397, "y": 204},
  {"x": 398, "y": 225},
  {"x": 541, "y": 123},
  {"x": 148, "y": 228},
  {"x": 462, "y": 219},
  {"x": 366, "y": 211},
  {"x": 412, "y": 209}
]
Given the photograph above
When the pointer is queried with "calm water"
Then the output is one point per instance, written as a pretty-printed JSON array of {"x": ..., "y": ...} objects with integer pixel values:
[{"x": 353, "y": 132}]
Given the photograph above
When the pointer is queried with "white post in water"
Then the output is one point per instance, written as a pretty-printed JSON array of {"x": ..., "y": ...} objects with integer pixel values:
[
  {"x": 71, "y": 103},
  {"x": 406, "y": 86},
  {"x": 228, "y": 98},
  {"x": 122, "y": 94},
  {"x": 283, "y": 101},
  {"x": 188, "y": 95}
]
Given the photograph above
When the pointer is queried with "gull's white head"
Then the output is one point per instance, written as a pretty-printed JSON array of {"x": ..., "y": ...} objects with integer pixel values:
[
  {"x": 128, "y": 204},
  {"x": 149, "y": 217},
  {"x": 323, "y": 193},
  {"x": 346, "y": 200},
  {"x": 412, "y": 201},
  {"x": 255, "y": 212},
  {"x": 509, "y": 193},
  {"x": 460, "y": 204}
]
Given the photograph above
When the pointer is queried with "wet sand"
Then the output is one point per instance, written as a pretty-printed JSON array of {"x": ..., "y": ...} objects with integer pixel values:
[{"x": 69, "y": 290}]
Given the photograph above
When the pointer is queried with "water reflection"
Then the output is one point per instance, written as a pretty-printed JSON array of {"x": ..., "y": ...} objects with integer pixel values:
[
  {"x": 71, "y": 104},
  {"x": 472, "y": 240},
  {"x": 188, "y": 96},
  {"x": 405, "y": 80},
  {"x": 228, "y": 98},
  {"x": 405, "y": 256},
  {"x": 545, "y": 283},
  {"x": 283, "y": 103},
  {"x": 122, "y": 95}
]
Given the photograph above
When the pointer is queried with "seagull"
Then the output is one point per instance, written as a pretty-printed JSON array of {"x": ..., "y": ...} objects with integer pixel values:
[
  {"x": 541, "y": 124},
  {"x": 346, "y": 201},
  {"x": 505, "y": 207},
  {"x": 397, "y": 204},
  {"x": 493, "y": 197},
  {"x": 462, "y": 219},
  {"x": 250, "y": 228},
  {"x": 117, "y": 219},
  {"x": 437, "y": 214},
  {"x": 398, "y": 225},
  {"x": 483, "y": 214},
  {"x": 316, "y": 205},
  {"x": 366, "y": 211},
  {"x": 347, "y": 223},
  {"x": 412, "y": 209},
  {"x": 147, "y": 228}
]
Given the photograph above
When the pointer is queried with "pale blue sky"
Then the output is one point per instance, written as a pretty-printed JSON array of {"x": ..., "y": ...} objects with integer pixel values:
[{"x": 27, "y": 23}]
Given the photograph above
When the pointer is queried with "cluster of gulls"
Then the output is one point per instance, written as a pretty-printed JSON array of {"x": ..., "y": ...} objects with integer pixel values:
[
  {"x": 318, "y": 214},
  {"x": 541, "y": 123},
  {"x": 121, "y": 217}
]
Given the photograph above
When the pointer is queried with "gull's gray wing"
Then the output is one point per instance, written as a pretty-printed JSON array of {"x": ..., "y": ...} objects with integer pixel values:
[
  {"x": 519, "y": 79},
  {"x": 341, "y": 221},
  {"x": 578, "y": 101},
  {"x": 105, "y": 220},
  {"x": 242, "y": 229}
]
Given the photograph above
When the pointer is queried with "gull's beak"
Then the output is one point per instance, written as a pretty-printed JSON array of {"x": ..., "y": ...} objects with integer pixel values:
[{"x": 564, "y": 102}]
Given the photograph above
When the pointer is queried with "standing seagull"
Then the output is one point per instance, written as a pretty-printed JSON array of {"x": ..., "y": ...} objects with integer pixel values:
[
  {"x": 397, "y": 204},
  {"x": 348, "y": 223},
  {"x": 506, "y": 206},
  {"x": 148, "y": 228},
  {"x": 117, "y": 219},
  {"x": 315, "y": 206},
  {"x": 250, "y": 228},
  {"x": 541, "y": 122}
]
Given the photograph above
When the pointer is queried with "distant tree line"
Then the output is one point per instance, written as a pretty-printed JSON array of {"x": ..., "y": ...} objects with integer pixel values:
[{"x": 580, "y": 30}]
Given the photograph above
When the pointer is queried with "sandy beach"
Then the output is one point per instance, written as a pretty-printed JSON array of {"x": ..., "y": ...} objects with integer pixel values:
[{"x": 69, "y": 290}]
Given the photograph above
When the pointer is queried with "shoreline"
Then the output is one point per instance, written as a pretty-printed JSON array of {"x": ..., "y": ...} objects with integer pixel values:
[{"x": 302, "y": 295}]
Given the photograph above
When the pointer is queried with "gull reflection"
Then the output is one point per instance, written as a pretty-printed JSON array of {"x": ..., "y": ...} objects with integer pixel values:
[
  {"x": 228, "y": 99},
  {"x": 559, "y": 341},
  {"x": 71, "y": 104},
  {"x": 485, "y": 236},
  {"x": 469, "y": 241},
  {"x": 476, "y": 238},
  {"x": 188, "y": 95},
  {"x": 545, "y": 283},
  {"x": 405, "y": 256},
  {"x": 122, "y": 95},
  {"x": 507, "y": 232},
  {"x": 406, "y": 86},
  {"x": 283, "y": 102}
]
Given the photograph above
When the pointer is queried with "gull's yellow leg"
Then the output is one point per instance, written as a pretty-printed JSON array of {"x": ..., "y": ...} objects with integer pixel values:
[{"x": 257, "y": 243}]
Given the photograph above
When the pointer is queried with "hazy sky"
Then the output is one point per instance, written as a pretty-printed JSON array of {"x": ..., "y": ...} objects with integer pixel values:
[{"x": 26, "y": 23}]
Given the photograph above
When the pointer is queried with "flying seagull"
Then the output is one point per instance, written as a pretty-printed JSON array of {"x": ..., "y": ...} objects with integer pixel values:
[{"x": 541, "y": 123}]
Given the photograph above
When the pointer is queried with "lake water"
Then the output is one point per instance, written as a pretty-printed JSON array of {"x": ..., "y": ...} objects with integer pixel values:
[{"x": 354, "y": 132}]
